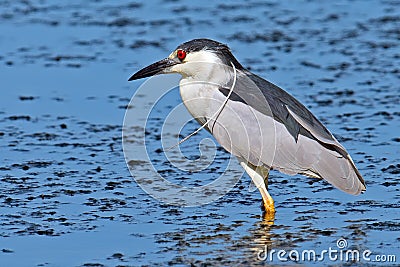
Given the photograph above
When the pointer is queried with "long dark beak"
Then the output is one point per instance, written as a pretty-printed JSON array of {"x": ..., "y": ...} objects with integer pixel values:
[{"x": 155, "y": 68}]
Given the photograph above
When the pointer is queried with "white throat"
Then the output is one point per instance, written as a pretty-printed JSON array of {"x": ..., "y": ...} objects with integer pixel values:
[{"x": 202, "y": 75}]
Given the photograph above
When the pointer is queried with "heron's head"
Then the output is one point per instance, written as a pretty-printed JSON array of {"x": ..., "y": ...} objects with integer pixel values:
[{"x": 198, "y": 57}]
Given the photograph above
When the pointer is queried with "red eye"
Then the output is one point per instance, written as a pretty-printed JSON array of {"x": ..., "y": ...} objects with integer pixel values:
[{"x": 181, "y": 54}]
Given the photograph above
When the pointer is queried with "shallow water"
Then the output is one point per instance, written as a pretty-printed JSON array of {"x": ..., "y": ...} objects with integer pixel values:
[{"x": 67, "y": 196}]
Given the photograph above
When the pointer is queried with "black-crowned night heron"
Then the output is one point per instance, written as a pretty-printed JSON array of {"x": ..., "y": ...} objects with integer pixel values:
[{"x": 258, "y": 122}]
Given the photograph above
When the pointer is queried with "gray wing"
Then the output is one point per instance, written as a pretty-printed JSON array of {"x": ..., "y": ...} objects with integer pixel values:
[{"x": 305, "y": 146}]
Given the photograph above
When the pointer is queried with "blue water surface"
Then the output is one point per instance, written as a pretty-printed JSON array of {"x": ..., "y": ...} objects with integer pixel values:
[{"x": 67, "y": 196}]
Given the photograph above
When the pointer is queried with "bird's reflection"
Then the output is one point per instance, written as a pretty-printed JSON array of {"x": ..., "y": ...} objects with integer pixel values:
[{"x": 261, "y": 236}]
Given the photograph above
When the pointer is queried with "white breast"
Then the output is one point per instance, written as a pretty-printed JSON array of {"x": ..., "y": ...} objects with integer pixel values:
[{"x": 198, "y": 97}]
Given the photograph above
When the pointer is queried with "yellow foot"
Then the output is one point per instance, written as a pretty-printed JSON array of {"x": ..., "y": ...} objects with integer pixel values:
[{"x": 268, "y": 209}]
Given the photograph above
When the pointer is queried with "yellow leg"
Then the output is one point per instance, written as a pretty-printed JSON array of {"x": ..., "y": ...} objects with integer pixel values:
[
  {"x": 268, "y": 202},
  {"x": 259, "y": 175}
]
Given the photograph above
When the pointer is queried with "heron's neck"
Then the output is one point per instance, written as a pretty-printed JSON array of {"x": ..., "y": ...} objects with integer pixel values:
[{"x": 197, "y": 95}]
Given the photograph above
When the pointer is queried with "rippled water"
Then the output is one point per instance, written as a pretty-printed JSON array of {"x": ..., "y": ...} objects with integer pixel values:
[{"x": 67, "y": 197}]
